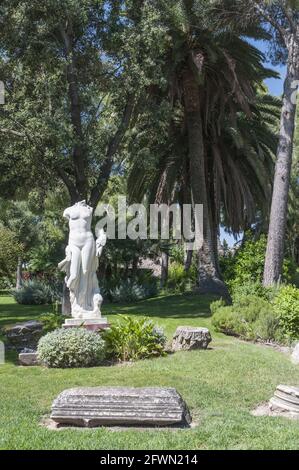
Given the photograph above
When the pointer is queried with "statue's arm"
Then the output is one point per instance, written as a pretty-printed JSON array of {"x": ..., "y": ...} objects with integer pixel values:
[{"x": 100, "y": 242}]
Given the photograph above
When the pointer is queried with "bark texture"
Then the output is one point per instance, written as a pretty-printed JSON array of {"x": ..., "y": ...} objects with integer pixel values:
[
  {"x": 209, "y": 280},
  {"x": 279, "y": 205}
]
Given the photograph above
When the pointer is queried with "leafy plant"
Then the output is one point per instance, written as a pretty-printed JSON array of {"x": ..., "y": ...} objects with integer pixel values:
[
  {"x": 131, "y": 291},
  {"x": 73, "y": 347},
  {"x": 51, "y": 321},
  {"x": 286, "y": 306},
  {"x": 254, "y": 288},
  {"x": 180, "y": 280},
  {"x": 35, "y": 292},
  {"x": 130, "y": 339},
  {"x": 244, "y": 269},
  {"x": 250, "y": 317},
  {"x": 216, "y": 305}
]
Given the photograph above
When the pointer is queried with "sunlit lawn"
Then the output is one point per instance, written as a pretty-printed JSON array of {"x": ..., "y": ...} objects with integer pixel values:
[{"x": 220, "y": 385}]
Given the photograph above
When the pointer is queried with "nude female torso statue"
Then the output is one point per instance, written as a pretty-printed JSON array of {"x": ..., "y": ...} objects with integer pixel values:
[{"x": 81, "y": 262}]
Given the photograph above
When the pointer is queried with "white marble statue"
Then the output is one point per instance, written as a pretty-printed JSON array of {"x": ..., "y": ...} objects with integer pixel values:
[{"x": 81, "y": 262}]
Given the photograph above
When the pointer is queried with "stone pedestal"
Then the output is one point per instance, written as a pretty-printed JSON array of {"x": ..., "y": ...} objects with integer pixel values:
[
  {"x": 92, "y": 324},
  {"x": 125, "y": 406},
  {"x": 286, "y": 398},
  {"x": 189, "y": 337}
]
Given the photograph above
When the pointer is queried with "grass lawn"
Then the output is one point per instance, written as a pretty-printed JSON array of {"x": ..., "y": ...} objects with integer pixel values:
[{"x": 220, "y": 385}]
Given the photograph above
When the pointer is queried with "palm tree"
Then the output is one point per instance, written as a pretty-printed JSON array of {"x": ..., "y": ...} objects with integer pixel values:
[{"x": 213, "y": 81}]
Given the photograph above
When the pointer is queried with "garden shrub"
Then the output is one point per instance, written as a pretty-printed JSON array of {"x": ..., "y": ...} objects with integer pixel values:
[
  {"x": 254, "y": 288},
  {"x": 73, "y": 347},
  {"x": 250, "y": 317},
  {"x": 131, "y": 291},
  {"x": 216, "y": 305},
  {"x": 34, "y": 293},
  {"x": 286, "y": 306},
  {"x": 178, "y": 279},
  {"x": 51, "y": 321},
  {"x": 130, "y": 339},
  {"x": 246, "y": 265}
]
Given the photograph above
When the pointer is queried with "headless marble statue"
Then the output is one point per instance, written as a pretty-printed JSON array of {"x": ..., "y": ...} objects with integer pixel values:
[{"x": 81, "y": 263}]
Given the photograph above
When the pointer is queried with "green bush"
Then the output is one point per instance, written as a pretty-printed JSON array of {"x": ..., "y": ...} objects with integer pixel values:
[
  {"x": 34, "y": 293},
  {"x": 254, "y": 288},
  {"x": 250, "y": 317},
  {"x": 131, "y": 291},
  {"x": 73, "y": 347},
  {"x": 130, "y": 339},
  {"x": 226, "y": 320},
  {"x": 246, "y": 266},
  {"x": 178, "y": 279},
  {"x": 216, "y": 305},
  {"x": 286, "y": 306},
  {"x": 51, "y": 321}
]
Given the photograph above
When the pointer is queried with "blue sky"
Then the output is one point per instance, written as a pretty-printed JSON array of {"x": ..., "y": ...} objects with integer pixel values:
[{"x": 275, "y": 88}]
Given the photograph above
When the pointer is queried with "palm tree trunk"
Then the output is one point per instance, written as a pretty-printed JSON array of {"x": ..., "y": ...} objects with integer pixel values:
[
  {"x": 19, "y": 281},
  {"x": 208, "y": 276},
  {"x": 279, "y": 206}
]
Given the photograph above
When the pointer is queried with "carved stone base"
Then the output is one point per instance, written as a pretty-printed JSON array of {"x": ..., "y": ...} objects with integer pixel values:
[
  {"x": 92, "y": 324},
  {"x": 286, "y": 398}
]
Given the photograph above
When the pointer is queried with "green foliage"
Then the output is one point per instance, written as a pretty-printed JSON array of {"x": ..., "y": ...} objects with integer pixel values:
[
  {"x": 35, "y": 293},
  {"x": 10, "y": 250},
  {"x": 246, "y": 266},
  {"x": 130, "y": 339},
  {"x": 250, "y": 317},
  {"x": 179, "y": 280},
  {"x": 286, "y": 306},
  {"x": 51, "y": 321},
  {"x": 217, "y": 304},
  {"x": 73, "y": 347},
  {"x": 253, "y": 288},
  {"x": 248, "y": 263},
  {"x": 131, "y": 290}
]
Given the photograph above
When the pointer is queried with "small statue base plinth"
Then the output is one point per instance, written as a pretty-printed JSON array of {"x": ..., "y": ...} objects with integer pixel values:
[{"x": 92, "y": 324}]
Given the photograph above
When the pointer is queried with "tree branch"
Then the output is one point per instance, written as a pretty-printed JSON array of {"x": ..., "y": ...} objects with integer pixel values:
[
  {"x": 283, "y": 33},
  {"x": 11, "y": 131},
  {"x": 288, "y": 13},
  {"x": 113, "y": 147},
  {"x": 79, "y": 158}
]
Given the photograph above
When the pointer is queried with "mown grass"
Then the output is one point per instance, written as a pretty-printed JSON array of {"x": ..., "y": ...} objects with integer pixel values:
[{"x": 220, "y": 385}]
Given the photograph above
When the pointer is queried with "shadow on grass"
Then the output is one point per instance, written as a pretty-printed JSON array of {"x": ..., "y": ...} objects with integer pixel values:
[
  {"x": 170, "y": 306},
  {"x": 14, "y": 313}
]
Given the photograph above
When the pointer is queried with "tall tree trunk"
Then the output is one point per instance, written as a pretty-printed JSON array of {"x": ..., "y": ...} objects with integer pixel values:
[
  {"x": 164, "y": 267},
  {"x": 188, "y": 260},
  {"x": 79, "y": 150},
  {"x": 19, "y": 280},
  {"x": 209, "y": 280},
  {"x": 279, "y": 206}
]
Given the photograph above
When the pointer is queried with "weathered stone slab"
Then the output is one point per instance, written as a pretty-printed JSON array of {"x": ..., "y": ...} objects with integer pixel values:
[
  {"x": 28, "y": 359},
  {"x": 126, "y": 406},
  {"x": 189, "y": 337},
  {"x": 286, "y": 398},
  {"x": 24, "y": 335}
]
